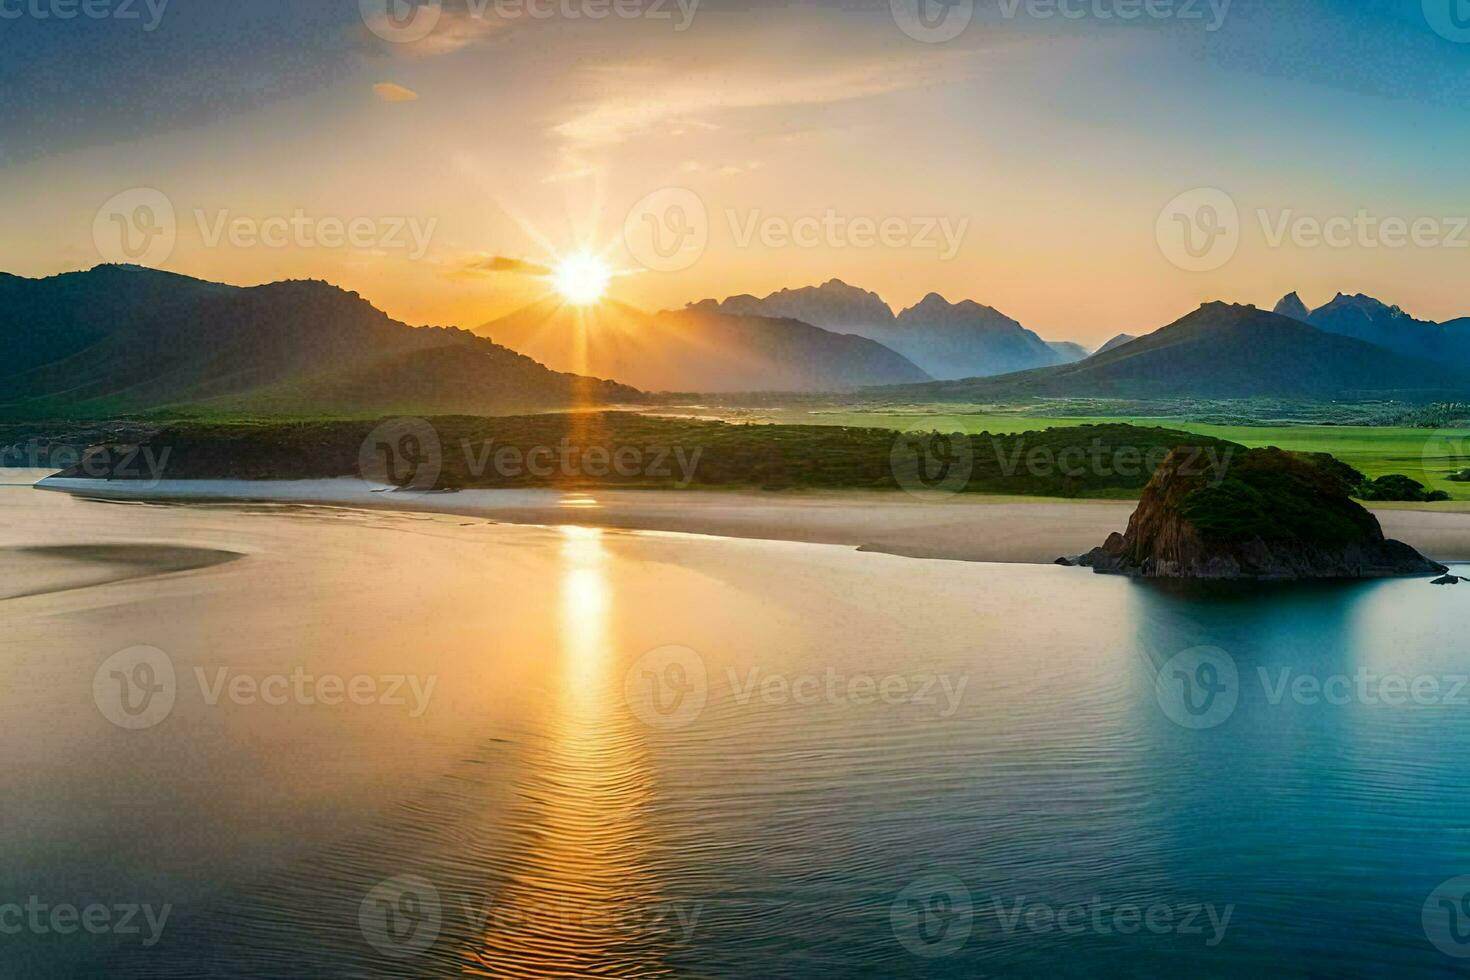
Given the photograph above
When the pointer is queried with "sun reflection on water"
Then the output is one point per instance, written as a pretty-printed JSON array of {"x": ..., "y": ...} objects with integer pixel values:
[{"x": 582, "y": 895}]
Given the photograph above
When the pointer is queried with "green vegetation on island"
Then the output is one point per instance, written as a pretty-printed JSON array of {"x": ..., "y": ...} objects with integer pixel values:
[
  {"x": 1269, "y": 515},
  {"x": 628, "y": 449}
]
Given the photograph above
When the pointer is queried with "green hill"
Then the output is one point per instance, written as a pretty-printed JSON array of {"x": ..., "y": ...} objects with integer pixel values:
[{"x": 120, "y": 339}]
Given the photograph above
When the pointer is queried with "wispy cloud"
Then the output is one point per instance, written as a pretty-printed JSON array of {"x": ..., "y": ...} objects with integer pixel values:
[
  {"x": 480, "y": 265},
  {"x": 390, "y": 92},
  {"x": 644, "y": 97}
]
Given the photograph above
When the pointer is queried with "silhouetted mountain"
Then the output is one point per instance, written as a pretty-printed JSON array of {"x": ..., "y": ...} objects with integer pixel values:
[
  {"x": 834, "y": 306},
  {"x": 1068, "y": 351},
  {"x": 1376, "y": 322},
  {"x": 1222, "y": 351},
  {"x": 700, "y": 349},
  {"x": 1291, "y": 305},
  {"x": 947, "y": 340},
  {"x": 1118, "y": 341},
  {"x": 121, "y": 339},
  {"x": 967, "y": 339}
]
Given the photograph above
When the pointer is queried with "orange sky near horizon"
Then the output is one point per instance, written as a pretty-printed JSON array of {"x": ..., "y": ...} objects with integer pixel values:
[{"x": 1025, "y": 169}]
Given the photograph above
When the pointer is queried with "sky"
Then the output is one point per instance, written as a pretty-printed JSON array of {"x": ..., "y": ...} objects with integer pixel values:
[{"x": 1088, "y": 167}]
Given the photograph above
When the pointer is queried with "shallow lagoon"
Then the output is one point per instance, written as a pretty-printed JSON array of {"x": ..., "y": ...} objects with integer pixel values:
[{"x": 420, "y": 745}]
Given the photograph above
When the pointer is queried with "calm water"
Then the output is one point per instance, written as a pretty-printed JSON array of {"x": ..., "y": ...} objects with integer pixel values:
[{"x": 574, "y": 752}]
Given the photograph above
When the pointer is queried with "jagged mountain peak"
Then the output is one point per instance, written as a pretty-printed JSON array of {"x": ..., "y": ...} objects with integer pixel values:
[
  {"x": 947, "y": 340},
  {"x": 1363, "y": 304},
  {"x": 936, "y": 305},
  {"x": 1291, "y": 305}
]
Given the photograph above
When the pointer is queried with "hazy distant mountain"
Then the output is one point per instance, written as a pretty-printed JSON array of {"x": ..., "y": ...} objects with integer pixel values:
[
  {"x": 834, "y": 305},
  {"x": 967, "y": 339},
  {"x": 120, "y": 339},
  {"x": 1222, "y": 351},
  {"x": 1118, "y": 341},
  {"x": 1291, "y": 305},
  {"x": 700, "y": 349},
  {"x": 1068, "y": 351},
  {"x": 1376, "y": 322},
  {"x": 959, "y": 340}
]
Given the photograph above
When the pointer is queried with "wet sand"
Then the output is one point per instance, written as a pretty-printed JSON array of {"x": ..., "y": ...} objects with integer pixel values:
[
  {"x": 41, "y": 570},
  {"x": 963, "y": 528}
]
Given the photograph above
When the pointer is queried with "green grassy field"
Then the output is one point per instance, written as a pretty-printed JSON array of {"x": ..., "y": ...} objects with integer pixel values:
[{"x": 1427, "y": 455}]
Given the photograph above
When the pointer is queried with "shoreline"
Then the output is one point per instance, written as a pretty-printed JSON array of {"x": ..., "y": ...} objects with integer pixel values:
[{"x": 968, "y": 527}]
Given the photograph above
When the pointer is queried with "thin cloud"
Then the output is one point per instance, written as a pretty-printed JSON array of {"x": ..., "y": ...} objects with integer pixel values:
[
  {"x": 479, "y": 266},
  {"x": 644, "y": 98},
  {"x": 389, "y": 92}
]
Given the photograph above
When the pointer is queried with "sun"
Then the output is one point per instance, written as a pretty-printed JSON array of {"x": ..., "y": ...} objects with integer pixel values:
[{"x": 581, "y": 278}]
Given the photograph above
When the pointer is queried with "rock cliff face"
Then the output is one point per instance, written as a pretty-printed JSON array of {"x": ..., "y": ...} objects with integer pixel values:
[{"x": 1260, "y": 514}]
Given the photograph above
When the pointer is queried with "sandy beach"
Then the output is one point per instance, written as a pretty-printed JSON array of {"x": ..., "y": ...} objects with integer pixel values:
[{"x": 962, "y": 528}]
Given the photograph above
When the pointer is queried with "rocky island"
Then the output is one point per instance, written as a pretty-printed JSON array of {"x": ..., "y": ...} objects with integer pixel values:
[{"x": 1260, "y": 514}]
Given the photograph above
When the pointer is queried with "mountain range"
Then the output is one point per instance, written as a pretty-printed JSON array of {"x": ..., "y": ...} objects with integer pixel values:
[
  {"x": 1376, "y": 322},
  {"x": 947, "y": 340},
  {"x": 120, "y": 340},
  {"x": 123, "y": 339},
  {"x": 1223, "y": 351},
  {"x": 700, "y": 348}
]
